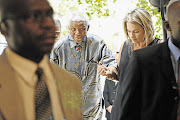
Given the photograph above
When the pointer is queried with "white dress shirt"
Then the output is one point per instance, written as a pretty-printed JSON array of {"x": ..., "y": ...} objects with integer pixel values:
[{"x": 175, "y": 54}]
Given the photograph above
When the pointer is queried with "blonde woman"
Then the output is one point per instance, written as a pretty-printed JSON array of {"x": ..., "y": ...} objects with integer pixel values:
[
  {"x": 139, "y": 31},
  {"x": 150, "y": 84}
]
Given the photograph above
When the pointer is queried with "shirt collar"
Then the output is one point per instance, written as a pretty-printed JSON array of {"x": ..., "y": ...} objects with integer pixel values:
[
  {"x": 174, "y": 50},
  {"x": 72, "y": 43},
  {"x": 24, "y": 67}
]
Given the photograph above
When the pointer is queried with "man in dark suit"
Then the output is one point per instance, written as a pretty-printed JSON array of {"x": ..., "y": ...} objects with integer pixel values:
[
  {"x": 29, "y": 83},
  {"x": 149, "y": 90},
  {"x": 109, "y": 93}
]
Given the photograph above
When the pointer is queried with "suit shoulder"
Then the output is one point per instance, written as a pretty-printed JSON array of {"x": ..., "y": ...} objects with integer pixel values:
[
  {"x": 151, "y": 51},
  {"x": 65, "y": 74},
  {"x": 69, "y": 87},
  {"x": 3, "y": 62}
]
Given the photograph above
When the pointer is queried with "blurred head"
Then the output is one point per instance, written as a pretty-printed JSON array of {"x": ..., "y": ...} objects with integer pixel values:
[
  {"x": 173, "y": 22},
  {"x": 78, "y": 26},
  {"x": 138, "y": 26},
  {"x": 58, "y": 29},
  {"x": 28, "y": 26}
]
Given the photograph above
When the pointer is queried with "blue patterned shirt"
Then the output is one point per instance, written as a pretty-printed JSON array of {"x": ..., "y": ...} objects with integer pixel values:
[{"x": 82, "y": 59}]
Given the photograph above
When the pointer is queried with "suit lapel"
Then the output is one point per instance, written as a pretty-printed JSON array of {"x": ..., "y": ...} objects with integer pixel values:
[
  {"x": 68, "y": 94},
  {"x": 59, "y": 87},
  {"x": 11, "y": 104},
  {"x": 166, "y": 65},
  {"x": 168, "y": 73}
]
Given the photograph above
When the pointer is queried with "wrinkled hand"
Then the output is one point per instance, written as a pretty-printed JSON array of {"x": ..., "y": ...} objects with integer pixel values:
[
  {"x": 102, "y": 69},
  {"x": 110, "y": 71},
  {"x": 109, "y": 108}
]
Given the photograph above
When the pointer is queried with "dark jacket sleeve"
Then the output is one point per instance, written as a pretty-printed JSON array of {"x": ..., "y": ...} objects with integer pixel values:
[
  {"x": 127, "y": 102},
  {"x": 106, "y": 94}
]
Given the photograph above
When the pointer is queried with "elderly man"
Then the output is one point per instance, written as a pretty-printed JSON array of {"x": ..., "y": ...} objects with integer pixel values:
[
  {"x": 151, "y": 86},
  {"x": 30, "y": 86},
  {"x": 80, "y": 53}
]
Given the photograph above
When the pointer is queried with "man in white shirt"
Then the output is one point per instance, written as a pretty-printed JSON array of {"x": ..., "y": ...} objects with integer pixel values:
[{"x": 29, "y": 29}]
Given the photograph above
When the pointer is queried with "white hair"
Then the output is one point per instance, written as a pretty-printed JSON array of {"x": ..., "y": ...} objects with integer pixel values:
[{"x": 79, "y": 16}]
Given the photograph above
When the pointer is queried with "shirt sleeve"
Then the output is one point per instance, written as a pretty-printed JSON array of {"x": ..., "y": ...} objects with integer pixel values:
[{"x": 106, "y": 56}]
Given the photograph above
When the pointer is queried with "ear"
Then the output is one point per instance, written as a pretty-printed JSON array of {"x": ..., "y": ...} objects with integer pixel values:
[
  {"x": 167, "y": 26},
  {"x": 3, "y": 28}
]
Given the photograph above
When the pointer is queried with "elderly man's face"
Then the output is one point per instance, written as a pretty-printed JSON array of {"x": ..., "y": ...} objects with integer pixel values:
[
  {"x": 78, "y": 30},
  {"x": 31, "y": 29}
]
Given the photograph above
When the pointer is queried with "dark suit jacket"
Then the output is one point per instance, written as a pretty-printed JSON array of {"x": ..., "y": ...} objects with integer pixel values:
[
  {"x": 149, "y": 90},
  {"x": 11, "y": 107},
  {"x": 109, "y": 94}
]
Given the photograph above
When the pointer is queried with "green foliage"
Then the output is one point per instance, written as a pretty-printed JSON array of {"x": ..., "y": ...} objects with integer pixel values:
[
  {"x": 65, "y": 6},
  {"x": 96, "y": 7},
  {"x": 93, "y": 8},
  {"x": 156, "y": 16}
]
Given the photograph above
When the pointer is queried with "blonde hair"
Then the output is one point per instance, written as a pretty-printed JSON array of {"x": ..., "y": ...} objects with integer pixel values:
[{"x": 143, "y": 18}]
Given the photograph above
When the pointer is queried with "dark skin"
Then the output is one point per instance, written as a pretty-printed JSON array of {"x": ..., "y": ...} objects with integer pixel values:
[
  {"x": 173, "y": 23},
  {"x": 29, "y": 37},
  {"x": 78, "y": 30}
]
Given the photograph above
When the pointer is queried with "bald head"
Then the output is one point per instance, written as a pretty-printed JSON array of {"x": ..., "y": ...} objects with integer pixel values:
[
  {"x": 173, "y": 9},
  {"x": 173, "y": 23}
]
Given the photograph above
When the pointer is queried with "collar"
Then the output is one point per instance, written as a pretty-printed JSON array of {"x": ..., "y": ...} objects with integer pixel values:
[
  {"x": 26, "y": 68},
  {"x": 73, "y": 44},
  {"x": 174, "y": 50}
]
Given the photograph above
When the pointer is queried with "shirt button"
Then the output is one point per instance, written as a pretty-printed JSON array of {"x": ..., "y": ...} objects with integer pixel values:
[
  {"x": 175, "y": 98},
  {"x": 174, "y": 87}
]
